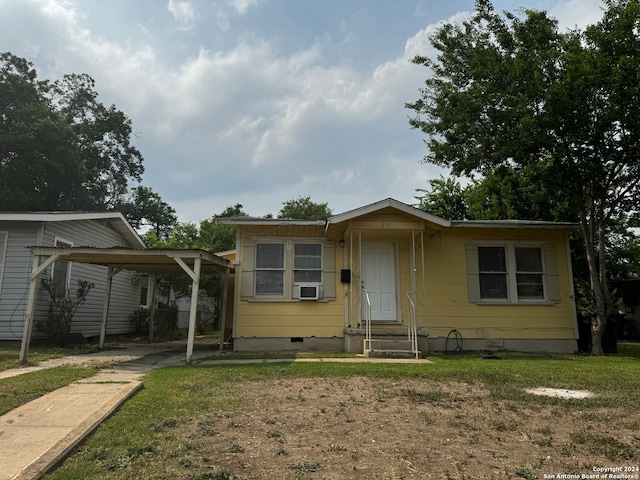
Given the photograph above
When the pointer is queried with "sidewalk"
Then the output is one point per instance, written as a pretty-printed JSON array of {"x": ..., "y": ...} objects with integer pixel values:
[{"x": 37, "y": 436}]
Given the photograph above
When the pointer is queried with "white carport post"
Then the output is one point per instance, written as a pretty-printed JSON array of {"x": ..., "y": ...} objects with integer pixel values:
[
  {"x": 195, "y": 276},
  {"x": 223, "y": 307},
  {"x": 36, "y": 270},
  {"x": 107, "y": 300}
]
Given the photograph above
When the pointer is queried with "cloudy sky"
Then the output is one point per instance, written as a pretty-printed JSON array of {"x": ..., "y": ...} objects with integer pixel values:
[{"x": 257, "y": 101}]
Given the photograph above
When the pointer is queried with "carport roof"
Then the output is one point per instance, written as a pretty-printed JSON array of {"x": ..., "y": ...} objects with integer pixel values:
[{"x": 139, "y": 260}]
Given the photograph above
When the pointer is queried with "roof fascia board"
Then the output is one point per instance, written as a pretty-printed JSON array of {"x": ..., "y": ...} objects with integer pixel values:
[
  {"x": 57, "y": 216},
  {"x": 514, "y": 224},
  {"x": 266, "y": 221}
]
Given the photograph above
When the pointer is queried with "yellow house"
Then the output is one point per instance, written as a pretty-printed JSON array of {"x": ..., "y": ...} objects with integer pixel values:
[{"x": 387, "y": 279}]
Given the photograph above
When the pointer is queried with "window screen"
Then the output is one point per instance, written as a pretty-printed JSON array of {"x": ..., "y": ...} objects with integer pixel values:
[
  {"x": 307, "y": 263},
  {"x": 529, "y": 273},
  {"x": 269, "y": 269},
  {"x": 492, "y": 270}
]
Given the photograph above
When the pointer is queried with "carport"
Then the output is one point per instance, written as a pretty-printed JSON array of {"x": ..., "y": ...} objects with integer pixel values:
[{"x": 194, "y": 262}]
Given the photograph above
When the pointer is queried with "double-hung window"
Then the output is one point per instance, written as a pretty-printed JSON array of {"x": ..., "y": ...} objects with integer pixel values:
[
  {"x": 529, "y": 273},
  {"x": 269, "y": 269},
  {"x": 307, "y": 263},
  {"x": 288, "y": 269},
  {"x": 511, "y": 273},
  {"x": 492, "y": 272}
]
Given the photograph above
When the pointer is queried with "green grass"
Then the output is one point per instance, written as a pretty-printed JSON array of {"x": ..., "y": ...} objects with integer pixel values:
[
  {"x": 136, "y": 443},
  {"x": 10, "y": 354},
  {"x": 18, "y": 390}
]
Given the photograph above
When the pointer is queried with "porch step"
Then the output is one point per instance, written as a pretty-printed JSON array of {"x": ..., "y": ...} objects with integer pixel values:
[
  {"x": 390, "y": 344},
  {"x": 389, "y": 348},
  {"x": 393, "y": 354}
]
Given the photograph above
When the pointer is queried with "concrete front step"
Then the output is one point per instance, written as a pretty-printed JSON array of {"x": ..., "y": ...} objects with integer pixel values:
[
  {"x": 392, "y": 354},
  {"x": 389, "y": 348},
  {"x": 390, "y": 344}
]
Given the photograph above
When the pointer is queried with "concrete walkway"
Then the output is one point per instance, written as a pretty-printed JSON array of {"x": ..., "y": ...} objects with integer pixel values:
[{"x": 37, "y": 436}]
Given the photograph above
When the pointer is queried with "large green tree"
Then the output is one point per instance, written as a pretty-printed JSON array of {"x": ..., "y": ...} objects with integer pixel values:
[
  {"x": 445, "y": 198},
  {"x": 509, "y": 91},
  {"x": 145, "y": 209},
  {"x": 303, "y": 208},
  {"x": 62, "y": 149}
]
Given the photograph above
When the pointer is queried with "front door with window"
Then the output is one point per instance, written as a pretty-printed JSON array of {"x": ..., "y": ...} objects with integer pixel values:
[{"x": 379, "y": 280}]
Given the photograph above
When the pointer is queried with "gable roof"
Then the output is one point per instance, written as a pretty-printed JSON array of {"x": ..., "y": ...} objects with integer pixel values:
[
  {"x": 342, "y": 217},
  {"x": 115, "y": 219},
  {"x": 388, "y": 203}
]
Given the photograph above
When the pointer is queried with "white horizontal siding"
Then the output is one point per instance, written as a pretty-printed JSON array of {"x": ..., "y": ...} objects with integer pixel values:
[
  {"x": 15, "y": 281},
  {"x": 18, "y": 264}
]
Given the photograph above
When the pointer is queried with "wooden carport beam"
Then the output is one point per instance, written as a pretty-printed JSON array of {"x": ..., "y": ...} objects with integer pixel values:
[
  {"x": 151, "y": 261},
  {"x": 195, "y": 276},
  {"x": 36, "y": 270},
  {"x": 107, "y": 300}
]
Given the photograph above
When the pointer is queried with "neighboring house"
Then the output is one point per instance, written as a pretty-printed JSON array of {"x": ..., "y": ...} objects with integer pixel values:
[
  {"x": 478, "y": 285},
  {"x": 18, "y": 231}
]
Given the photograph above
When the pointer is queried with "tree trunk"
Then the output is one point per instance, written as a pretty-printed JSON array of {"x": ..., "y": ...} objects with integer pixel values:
[
  {"x": 593, "y": 231},
  {"x": 598, "y": 326}
]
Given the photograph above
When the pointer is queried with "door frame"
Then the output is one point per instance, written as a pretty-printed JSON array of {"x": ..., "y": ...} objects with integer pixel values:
[{"x": 396, "y": 274}]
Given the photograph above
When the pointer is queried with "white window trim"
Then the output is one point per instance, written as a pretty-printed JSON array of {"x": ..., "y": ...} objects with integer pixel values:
[
  {"x": 293, "y": 263},
  {"x": 289, "y": 283},
  {"x": 67, "y": 243},
  {"x": 259, "y": 269},
  {"x": 4, "y": 242},
  {"x": 512, "y": 283}
]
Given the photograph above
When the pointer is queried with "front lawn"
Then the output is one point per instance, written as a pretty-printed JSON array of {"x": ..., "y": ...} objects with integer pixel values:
[{"x": 460, "y": 417}]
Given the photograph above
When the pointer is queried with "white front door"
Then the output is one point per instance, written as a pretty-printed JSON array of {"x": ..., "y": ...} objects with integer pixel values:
[{"x": 379, "y": 280}]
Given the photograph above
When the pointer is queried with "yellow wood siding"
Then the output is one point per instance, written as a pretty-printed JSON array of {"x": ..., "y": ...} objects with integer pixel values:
[
  {"x": 442, "y": 296},
  {"x": 288, "y": 318},
  {"x": 447, "y": 301}
]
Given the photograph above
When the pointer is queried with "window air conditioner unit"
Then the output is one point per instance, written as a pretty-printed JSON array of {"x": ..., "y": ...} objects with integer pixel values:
[{"x": 308, "y": 292}]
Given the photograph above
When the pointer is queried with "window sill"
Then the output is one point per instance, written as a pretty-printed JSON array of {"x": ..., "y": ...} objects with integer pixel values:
[{"x": 286, "y": 300}]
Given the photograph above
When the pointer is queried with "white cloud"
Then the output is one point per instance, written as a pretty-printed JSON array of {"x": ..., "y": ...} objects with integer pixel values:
[
  {"x": 243, "y": 122},
  {"x": 182, "y": 10},
  {"x": 577, "y": 13},
  {"x": 242, "y": 6}
]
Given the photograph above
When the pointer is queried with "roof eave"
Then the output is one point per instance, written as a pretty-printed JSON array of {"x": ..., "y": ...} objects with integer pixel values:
[
  {"x": 514, "y": 224},
  {"x": 266, "y": 221}
]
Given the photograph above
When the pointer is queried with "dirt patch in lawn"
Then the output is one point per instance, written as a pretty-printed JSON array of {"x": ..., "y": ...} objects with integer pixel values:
[{"x": 360, "y": 428}]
